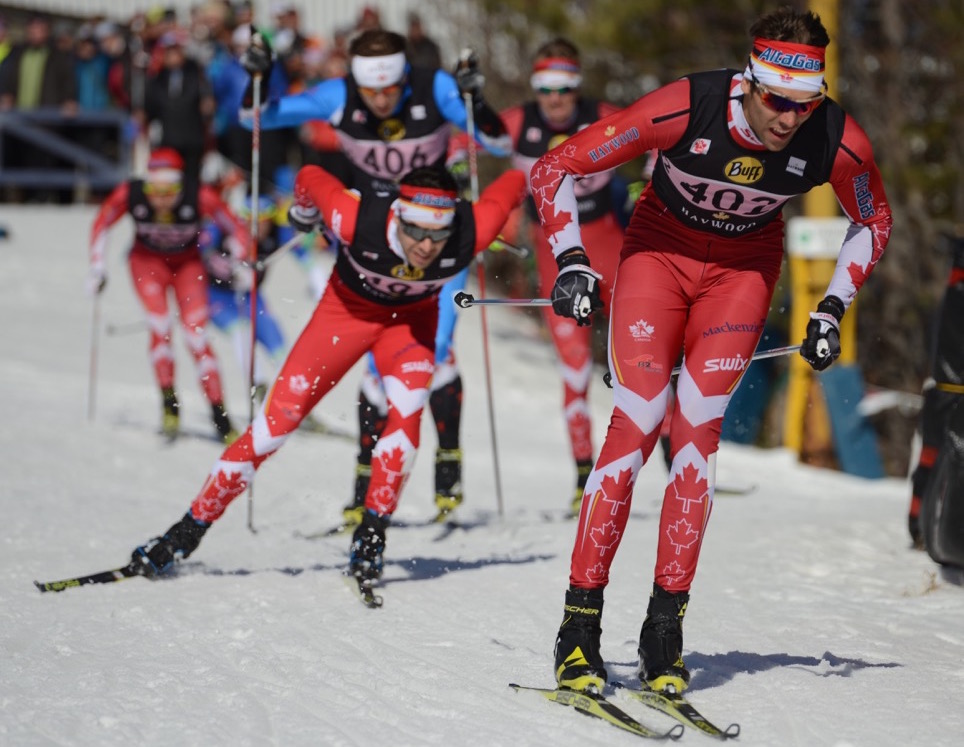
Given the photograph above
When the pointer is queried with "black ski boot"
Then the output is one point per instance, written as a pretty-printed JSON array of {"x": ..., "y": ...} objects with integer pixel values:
[
  {"x": 367, "y": 547},
  {"x": 583, "y": 470},
  {"x": 223, "y": 423},
  {"x": 158, "y": 556},
  {"x": 579, "y": 665},
  {"x": 448, "y": 481},
  {"x": 352, "y": 513},
  {"x": 661, "y": 642},
  {"x": 170, "y": 418}
]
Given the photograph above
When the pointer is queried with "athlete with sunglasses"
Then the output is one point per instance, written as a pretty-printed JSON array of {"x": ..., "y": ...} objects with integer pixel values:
[
  {"x": 389, "y": 118},
  {"x": 168, "y": 211},
  {"x": 397, "y": 253},
  {"x": 558, "y": 111},
  {"x": 701, "y": 256}
]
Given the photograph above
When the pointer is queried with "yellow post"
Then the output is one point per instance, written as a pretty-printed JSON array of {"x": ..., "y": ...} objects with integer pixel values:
[{"x": 812, "y": 250}]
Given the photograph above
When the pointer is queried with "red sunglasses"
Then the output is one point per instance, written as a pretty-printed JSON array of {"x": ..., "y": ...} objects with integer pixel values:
[
  {"x": 387, "y": 90},
  {"x": 782, "y": 104}
]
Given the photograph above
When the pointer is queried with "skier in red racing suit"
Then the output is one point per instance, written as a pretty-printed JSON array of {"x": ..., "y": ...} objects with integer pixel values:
[{"x": 700, "y": 259}]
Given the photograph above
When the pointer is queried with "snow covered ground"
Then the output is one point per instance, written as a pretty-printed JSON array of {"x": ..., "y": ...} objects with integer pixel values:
[{"x": 811, "y": 622}]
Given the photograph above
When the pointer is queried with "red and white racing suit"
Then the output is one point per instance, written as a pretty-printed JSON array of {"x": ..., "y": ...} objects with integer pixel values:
[
  {"x": 531, "y": 137},
  {"x": 165, "y": 256},
  {"x": 700, "y": 259},
  {"x": 374, "y": 302}
]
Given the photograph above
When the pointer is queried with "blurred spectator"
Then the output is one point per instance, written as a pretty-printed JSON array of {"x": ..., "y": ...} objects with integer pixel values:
[
  {"x": 36, "y": 74},
  {"x": 369, "y": 19},
  {"x": 422, "y": 51},
  {"x": 243, "y": 12},
  {"x": 91, "y": 67},
  {"x": 178, "y": 104},
  {"x": 4, "y": 40}
]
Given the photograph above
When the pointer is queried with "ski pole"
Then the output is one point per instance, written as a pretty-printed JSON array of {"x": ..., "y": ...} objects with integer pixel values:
[
  {"x": 466, "y": 56},
  {"x": 125, "y": 328},
  {"x": 466, "y": 300},
  {"x": 758, "y": 356},
  {"x": 501, "y": 243},
  {"x": 253, "y": 292},
  {"x": 261, "y": 264},
  {"x": 94, "y": 345}
]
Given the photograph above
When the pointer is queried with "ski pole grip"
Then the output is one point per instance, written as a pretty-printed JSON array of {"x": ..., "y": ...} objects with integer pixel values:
[{"x": 463, "y": 300}]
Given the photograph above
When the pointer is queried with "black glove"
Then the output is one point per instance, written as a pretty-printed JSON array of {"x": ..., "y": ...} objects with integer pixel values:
[
  {"x": 576, "y": 291},
  {"x": 257, "y": 58},
  {"x": 822, "y": 344},
  {"x": 305, "y": 219},
  {"x": 468, "y": 75}
]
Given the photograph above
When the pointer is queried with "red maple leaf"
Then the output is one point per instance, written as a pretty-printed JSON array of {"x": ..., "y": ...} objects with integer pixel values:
[
  {"x": 682, "y": 535},
  {"x": 393, "y": 461},
  {"x": 229, "y": 483},
  {"x": 689, "y": 487},
  {"x": 616, "y": 491},
  {"x": 604, "y": 537},
  {"x": 857, "y": 274}
]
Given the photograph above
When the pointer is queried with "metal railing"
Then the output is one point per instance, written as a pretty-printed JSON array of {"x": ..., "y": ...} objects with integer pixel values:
[{"x": 82, "y": 168}]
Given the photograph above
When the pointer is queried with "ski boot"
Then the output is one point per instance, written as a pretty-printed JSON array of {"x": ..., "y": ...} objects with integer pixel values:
[
  {"x": 170, "y": 419},
  {"x": 661, "y": 642},
  {"x": 223, "y": 424},
  {"x": 353, "y": 512},
  {"x": 158, "y": 556},
  {"x": 583, "y": 470},
  {"x": 367, "y": 545},
  {"x": 579, "y": 665},
  {"x": 448, "y": 481}
]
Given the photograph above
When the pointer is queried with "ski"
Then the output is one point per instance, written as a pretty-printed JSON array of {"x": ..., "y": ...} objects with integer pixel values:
[
  {"x": 598, "y": 707},
  {"x": 735, "y": 489},
  {"x": 320, "y": 427},
  {"x": 103, "y": 577},
  {"x": 364, "y": 590},
  {"x": 676, "y": 706}
]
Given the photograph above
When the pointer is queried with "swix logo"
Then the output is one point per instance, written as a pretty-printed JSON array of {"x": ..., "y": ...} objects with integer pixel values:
[
  {"x": 744, "y": 170},
  {"x": 533, "y": 134},
  {"x": 865, "y": 198},
  {"x": 726, "y": 364},
  {"x": 700, "y": 146},
  {"x": 358, "y": 117},
  {"x": 642, "y": 331},
  {"x": 298, "y": 384},
  {"x": 425, "y": 366}
]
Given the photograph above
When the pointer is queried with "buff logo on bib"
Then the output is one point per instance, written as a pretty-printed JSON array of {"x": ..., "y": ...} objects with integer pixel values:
[
  {"x": 391, "y": 129},
  {"x": 744, "y": 170},
  {"x": 407, "y": 272}
]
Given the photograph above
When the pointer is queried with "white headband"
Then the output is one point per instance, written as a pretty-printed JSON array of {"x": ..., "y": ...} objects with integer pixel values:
[
  {"x": 378, "y": 72},
  {"x": 555, "y": 79}
]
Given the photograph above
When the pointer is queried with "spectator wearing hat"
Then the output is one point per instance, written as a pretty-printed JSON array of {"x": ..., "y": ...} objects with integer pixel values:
[{"x": 178, "y": 103}]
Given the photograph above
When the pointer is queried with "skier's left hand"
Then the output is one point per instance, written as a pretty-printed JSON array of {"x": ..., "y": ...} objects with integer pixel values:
[
  {"x": 821, "y": 347},
  {"x": 468, "y": 75}
]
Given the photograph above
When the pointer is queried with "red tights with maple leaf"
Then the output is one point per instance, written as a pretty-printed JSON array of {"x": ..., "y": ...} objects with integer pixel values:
[
  {"x": 711, "y": 301},
  {"x": 153, "y": 275},
  {"x": 342, "y": 329},
  {"x": 603, "y": 239}
]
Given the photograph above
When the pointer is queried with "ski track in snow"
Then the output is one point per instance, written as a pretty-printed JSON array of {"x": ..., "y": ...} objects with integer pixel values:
[{"x": 811, "y": 622}]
